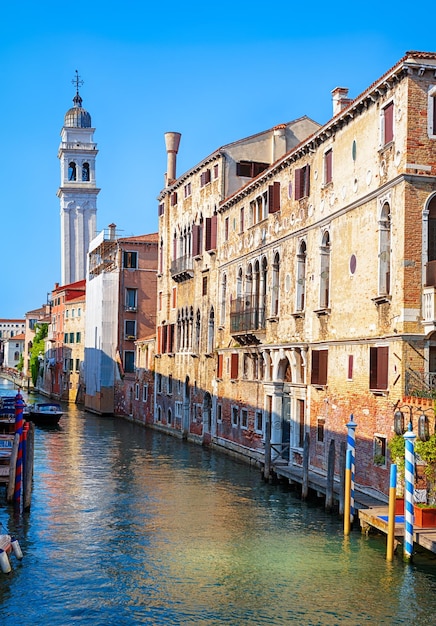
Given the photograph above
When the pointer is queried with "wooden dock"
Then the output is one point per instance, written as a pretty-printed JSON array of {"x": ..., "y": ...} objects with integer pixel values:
[{"x": 376, "y": 517}]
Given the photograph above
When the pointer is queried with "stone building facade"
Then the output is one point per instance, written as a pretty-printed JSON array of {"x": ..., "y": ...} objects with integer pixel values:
[{"x": 306, "y": 292}]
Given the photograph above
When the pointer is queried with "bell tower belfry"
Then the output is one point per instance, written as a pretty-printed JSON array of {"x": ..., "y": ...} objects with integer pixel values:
[{"x": 77, "y": 192}]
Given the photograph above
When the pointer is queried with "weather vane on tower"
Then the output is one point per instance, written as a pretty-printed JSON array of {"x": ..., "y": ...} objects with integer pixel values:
[{"x": 77, "y": 81}]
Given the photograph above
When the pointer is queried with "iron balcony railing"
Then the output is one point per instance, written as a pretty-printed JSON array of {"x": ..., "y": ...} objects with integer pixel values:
[
  {"x": 182, "y": 265},
  {"x": 420, "y": 384},
  {"x": 246, "y": 316}
]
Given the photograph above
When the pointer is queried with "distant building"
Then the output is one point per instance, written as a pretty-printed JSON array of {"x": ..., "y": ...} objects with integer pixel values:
[
  {"x": 121, "y": 306},
  {"x": 9, "y": 328},
  {"x": 13, "y": 348},
  {"x": 32, "y": 318},
  {"x": 78, "y": 191},
  {"x": 57, "y": 372},
  {"x": 143, "y": 397}
]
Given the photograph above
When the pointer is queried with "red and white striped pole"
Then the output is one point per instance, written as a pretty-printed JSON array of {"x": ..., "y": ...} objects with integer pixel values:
[{"x": 19, "y": 405}]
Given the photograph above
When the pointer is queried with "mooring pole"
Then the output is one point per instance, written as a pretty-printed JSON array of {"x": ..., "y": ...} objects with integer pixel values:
[{"x": 391, "y": 513}]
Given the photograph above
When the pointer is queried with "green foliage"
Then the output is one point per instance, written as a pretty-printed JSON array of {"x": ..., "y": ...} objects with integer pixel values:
[
  {"x": 397, "y": 447},
  {"x": 427, "y": 450},
  {"x": 37, "y": 350},
  {"x": 20, "y": 363}
]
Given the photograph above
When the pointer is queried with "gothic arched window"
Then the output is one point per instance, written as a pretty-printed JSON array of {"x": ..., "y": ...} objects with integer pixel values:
[
  {"x": 85, "y": 172},
  {"x": 72, "y": 171}
]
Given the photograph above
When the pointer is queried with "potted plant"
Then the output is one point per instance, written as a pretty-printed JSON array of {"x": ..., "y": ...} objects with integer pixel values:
[{"x": 425, "y": 513}]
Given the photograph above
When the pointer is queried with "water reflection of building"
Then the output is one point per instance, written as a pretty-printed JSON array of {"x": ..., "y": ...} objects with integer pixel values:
[{"x": 296, "y": 282}]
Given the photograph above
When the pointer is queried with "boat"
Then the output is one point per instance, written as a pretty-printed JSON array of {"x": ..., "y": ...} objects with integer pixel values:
[{"x": 45, "y": 413}]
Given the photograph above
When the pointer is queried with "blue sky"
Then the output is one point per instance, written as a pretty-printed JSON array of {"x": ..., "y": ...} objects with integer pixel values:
[{"x": 215, "y": 72}]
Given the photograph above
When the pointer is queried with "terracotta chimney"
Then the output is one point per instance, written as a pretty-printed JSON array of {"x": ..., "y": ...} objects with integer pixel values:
[
  {"x": 112, "y": 229},
  {"x": 172, "y": 141},
  {"x": 340, "y": 99}
]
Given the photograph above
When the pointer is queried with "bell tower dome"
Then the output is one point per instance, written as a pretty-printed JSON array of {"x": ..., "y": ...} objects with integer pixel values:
[{"x": 78, "y": 191}]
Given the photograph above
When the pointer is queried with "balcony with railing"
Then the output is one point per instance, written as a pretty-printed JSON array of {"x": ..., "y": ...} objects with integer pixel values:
[
  {"x": 420, "y": 384},
  {"x": 182, "y": 268},
  {"x": 429, "y": 298},
  {"x": 247, "y": 319}
]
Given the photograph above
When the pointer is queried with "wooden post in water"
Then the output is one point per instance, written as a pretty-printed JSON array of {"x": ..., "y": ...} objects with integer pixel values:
[
  {"x": 12, "y": 468},
  {"x": 267, "y": 465},
  {"x": 305, "y": 485},
  {"x": 330, "y": 476},
  {"x": 28, "y": 476},
  {"x": 342, "y": 457}
]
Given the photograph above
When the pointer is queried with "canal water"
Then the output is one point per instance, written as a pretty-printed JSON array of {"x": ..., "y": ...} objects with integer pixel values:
[{"x": 128, "y": 526}]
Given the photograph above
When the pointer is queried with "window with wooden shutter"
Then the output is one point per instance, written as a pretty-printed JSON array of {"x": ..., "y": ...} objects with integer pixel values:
[
  {"x": 378, "y": 368},
  {"x": 319, "y": 367},
  {"x": 328, "y": 166},
  {"x": 388, "y": 123},
  {"x": 170, "y": 338},
  {"x": 274, "y": 197},
  {"x": 211, "y": 226},
  {"x": 196, "y": 240},
  {"x": 161, "y": 209},
  {"x": 350, "y": 367},
  {"x": 302, "y": 182},
  {"x": 234, "y": 366},
  {"x": 220, "y": 366},
  {"x": 159, "y": 339},
  {"x": 174, "y": 198},
  {"x": 205, "y": 178}
]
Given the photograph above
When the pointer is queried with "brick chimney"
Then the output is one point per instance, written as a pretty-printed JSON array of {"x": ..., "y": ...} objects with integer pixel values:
[{"x": 340, "y": 99}]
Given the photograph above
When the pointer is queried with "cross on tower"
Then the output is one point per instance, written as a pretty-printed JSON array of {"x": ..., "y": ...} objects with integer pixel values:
[{"x": 77, "y": 81}]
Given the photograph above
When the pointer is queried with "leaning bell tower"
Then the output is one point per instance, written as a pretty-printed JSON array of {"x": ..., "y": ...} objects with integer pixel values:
[{"x": 78, "y": 191}]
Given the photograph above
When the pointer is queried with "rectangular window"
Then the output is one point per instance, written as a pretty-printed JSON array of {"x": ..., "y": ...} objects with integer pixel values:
[
  {"x": 273, "y": 198},
  {"x": 130, "y": 329},
  {"x": 244, "y": 418},
  {"x": 219, "y": 413},
  {"x": 350, "y": 367},
  {"x": 215, "y": 170},
  {"x": 197, "y": 240},
  {"x": 159, "y": 383},
  {"x": 234, "y": 415},
  {"x": 220, "y": 366},
  {"x": 71, "y": 338},
  {"x": 204, "y": 289},
  {"x": 388, "y": 123},
  {"x": 159, "y": 301},
  {"x": 144, "y": 393},
  {"x": 188, "y": 190},
  {"x": 250, "y": 169},
  {"x": 226, "y": 229},
  {"x": 378, "y": 368},
  {"x": 160, "y": 209},
  {"x": 205, "y": 178},
  {"x": 234, "y": 366},
  {"x": 66, "y": 337},
  {"x": 320, "y": 425},
  {"x": 211, "y": 225},
  {"x": 131, "y": 299},
  {"x": 319, "y": 367},
  {"x": 136, "y": 391},
  {"x": 174, "y": 298},
  {"x": 170, "y": 384},
  {"x": 71, "y": 364},
  {"x": 173, "y": 198},
  {"x": 129, "y": 361},
  {"x": 178, "y": 409},
  {"x": 302, "y": 182},
  {"x": 379, "y": 450},
  {"x": 77, "y": 365},
  {"x": 258, "y": 421},
  {"x": 78, "y": 337},
  {"x": 328, "y": 166},
  {"x": 241, "y": 220},
  {"x": 130, "y": 260}
]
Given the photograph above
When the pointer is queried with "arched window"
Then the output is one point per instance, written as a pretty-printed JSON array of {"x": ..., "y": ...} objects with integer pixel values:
[
  {"x": 85, "y": 172},
  {"x": 431, "y": 244},
  {"x": 275, "y": 285},
  {"x": 175, "y": 246},
  {"x": 301, "y": 277},
  {"x": 263, "y": 285},
  {"x": 384, "y": 281},
  {"x": 324, "y": 294},
  {"x": 197, "y": 332},
  {"x": 72, "y": 171},
  {"x": 223, "y": 299},
  {"x": 169, "y": 417},
  {"x": 211, "y": 332}
]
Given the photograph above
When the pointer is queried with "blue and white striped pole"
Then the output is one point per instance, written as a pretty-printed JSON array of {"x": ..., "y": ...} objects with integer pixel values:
[
  {"x": 409, "y": 486},
  {"x": 351, "y": 446}
]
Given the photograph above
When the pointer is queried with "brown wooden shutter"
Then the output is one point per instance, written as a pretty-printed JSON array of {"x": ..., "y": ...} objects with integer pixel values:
[
  {"x": 378, "y": 367},
  {"x": 159, "y": 339},
  {"x": 319, "y": 367},
  {"x": 196, "y": 240},
  {"x": 211, "y": 227},
  {"x": 328, "y": 170},
  {"x": 161, "y": 208},
  {"x": 388, "y": 112},
  {"x": 220, "y": 366},
  {"x": 274, "y": 197},
  {"x": 350, "y": 366},
  {"x": 298, "y": 177},
  {"x": 234, "y": 366}
]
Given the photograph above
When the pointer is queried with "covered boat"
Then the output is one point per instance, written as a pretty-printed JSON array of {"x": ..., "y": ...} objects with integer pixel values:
[{"x": 45, "y": 413}]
